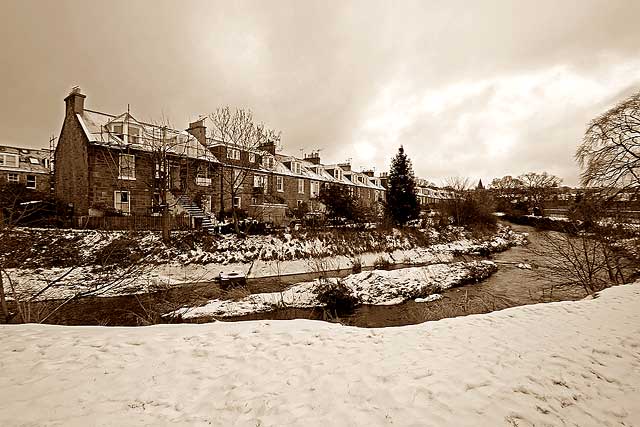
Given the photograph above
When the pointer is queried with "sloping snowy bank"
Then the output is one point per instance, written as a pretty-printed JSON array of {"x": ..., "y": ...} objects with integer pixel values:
[
  {"x": 165, "y": 267},
  {"x": 569, "y": 363},
  {"x": 379, "y": 287}
]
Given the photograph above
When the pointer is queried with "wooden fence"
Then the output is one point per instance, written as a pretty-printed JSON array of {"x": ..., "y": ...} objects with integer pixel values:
[{"x": 132, "y": 222}]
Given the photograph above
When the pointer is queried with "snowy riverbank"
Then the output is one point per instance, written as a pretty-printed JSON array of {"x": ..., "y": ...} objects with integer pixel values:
[
  {"x": 379, "y": 287},
  {"x": 569, "y": 363},
  {"x": 116, "y": 263}
]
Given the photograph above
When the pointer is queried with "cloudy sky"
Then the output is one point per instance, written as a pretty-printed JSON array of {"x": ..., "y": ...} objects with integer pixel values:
[{"x": 470, "y": 88}]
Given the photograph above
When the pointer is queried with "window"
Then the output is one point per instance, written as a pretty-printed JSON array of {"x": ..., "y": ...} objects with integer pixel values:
[
  {"x": 237, "y": 179},
  {"x": 280, "y": 183},
  {"x": 267, "y": 162},
  {"x": 160, "y": 169},
  {"x": 301, "y": 186},
  {"x": 315, "y": 188},
  {"x": 10, "y": 160},
  {"x": 233, "y": 154},
  {"x": 127, "y": 166},
  {"x": 45, "y": 163},
  {"x": 31, "y": 182},
  {"x": 34, "y": 161},
  {"x": 337, "y": 174},
  {"x": 260, "y": 181},
  {"x": 252, "y": 157},
  {"x": 236, "y": 202},
  {"x": 121, "y": 201},
  {"x": 117, "y": 131},
  {"x": 299, "y": 203},
  {"x": 296, "y": 168},
  {"x": 202, "y": 177},
  {"x": 254, "y": 201},
  {"x": 13, "y": 177},
  {"x": 134, "y": 135}
]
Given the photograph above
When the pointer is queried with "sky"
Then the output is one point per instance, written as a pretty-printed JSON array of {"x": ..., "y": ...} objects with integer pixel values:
[{"x": 477, "y": 89}]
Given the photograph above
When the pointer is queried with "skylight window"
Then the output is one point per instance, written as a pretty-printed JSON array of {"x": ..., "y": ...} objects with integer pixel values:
[{"x": 33, "y": 161}]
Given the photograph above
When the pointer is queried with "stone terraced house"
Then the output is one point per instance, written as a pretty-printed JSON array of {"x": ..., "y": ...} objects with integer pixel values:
[
  {"x": 114, "y": 162},
  {"x": 27, "y": 166}
]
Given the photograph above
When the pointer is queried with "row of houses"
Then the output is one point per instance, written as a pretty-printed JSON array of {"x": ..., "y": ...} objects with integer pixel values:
[{"x": 105, "y": 163}]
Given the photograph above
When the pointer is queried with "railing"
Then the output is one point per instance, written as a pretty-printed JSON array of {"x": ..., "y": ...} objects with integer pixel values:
[{"x": 132, "y": 222}]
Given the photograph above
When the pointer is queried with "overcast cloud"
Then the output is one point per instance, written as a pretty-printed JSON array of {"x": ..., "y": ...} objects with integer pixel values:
[{"x": 470, "y": 88}]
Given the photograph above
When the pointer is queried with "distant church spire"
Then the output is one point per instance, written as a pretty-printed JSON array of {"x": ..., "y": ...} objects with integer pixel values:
[{"x": 480, "y": 186}]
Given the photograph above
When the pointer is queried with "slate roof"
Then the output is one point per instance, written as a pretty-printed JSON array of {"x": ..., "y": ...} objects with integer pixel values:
[
  {"x": 99, "y": 130},
  {"x": 30, "y": 160}
]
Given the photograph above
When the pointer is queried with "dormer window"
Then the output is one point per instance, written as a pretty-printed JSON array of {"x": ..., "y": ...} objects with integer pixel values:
[
  {"x": 118, "y": 131},
  {"x": 233, "y": 154},
  {"x": 337, "y": 174},
  {"x": 9, "y": 160},
  {"x": 134, "y": 135},
  {"x": 296, "y": 168},
  {"x": 267, "y": 162}
]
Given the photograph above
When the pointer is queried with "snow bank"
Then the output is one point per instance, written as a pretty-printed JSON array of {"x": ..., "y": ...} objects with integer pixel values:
[
  {"x": 569, "y": 363},
  {"x": 377, "y": 287},
  {"x": 255, "y": 256}
]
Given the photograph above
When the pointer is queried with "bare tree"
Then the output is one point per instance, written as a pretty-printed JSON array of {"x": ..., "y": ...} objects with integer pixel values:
[
  {"x": 577, "y": 259},
  {"x": 609, "y": 154},
  {"x": 459, "y": 187},
  {"x": 507, "y": 186},
  {"x": 242, "y": 139},
  {"x": 538, "y": 186}
]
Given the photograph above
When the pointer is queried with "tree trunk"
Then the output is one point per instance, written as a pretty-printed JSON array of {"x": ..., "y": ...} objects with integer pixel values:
[
  {"x": 166, "y": 225},
  {"x": 3, "y": 300}
]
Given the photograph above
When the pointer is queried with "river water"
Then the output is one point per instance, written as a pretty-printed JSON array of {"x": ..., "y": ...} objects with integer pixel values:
[{"x": 510, "y": 286}]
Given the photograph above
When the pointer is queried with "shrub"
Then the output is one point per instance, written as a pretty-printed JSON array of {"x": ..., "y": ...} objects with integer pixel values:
[
  {"x": 382, "y": 263},
  {"x": 336, "y": 297}
]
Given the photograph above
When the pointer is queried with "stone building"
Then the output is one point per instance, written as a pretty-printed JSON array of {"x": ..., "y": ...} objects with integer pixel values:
[
  {"x": 107, "y": 162},
  {"x": 27, "y": 166}
]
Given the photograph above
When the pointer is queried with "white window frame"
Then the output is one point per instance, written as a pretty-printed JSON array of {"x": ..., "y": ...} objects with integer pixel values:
[
  {"x": 337, "y": 174},
  {"x": 11, "y": 176},
  {"x": 315, "y": 189},
  {"x": 233, "y": 154},
  {"x": 4, "y": 162},
  {"x": 131, "y": 166},
  {"x": 239, "y": 204},
  {"x": 32, "y": 187},
  {"x": 118, "y": 204},
  {"x": 133, "y": 139},
  {"x": 120, "y": 133},
  {"x": 267, "y": 162},
  {"x": 252, "y": 157},
  {"x": 280, "y": 183},
  {"x": 202, "y": 176},
  {"x": 260, "y": 181},
  {"x": 296, "y": 167},
  {"x": 301, "y": 185}
]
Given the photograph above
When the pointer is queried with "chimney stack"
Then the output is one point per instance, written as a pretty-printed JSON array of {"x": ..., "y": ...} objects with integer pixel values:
[
  {"x": 269, "y": 147},
  {"x": 199, "y": 131},
  {"x": 74, "y": 102},
  {"x": 370, "y": 173},
  {"x": 314, "y": 157}
]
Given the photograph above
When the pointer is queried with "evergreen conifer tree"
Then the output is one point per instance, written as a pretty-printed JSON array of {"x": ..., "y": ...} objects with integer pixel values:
[{"x": 402, "y": 201}]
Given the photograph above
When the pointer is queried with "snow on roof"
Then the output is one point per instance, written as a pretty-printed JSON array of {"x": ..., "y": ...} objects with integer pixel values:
[
  {"x": 100, "y": 129},
  {"x": 30, "y": 160}
]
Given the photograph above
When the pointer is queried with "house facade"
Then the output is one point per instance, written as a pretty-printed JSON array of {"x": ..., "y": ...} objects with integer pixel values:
[
  {"x": 28, "y": 166},
  {"x": 114, "y": 162}
]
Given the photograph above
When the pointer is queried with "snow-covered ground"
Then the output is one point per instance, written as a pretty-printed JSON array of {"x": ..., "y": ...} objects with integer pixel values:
[
  {"x": 255, "y": 256},
  {"x": 378, "y": 287},
  {"x": 557, "y": 364}
]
